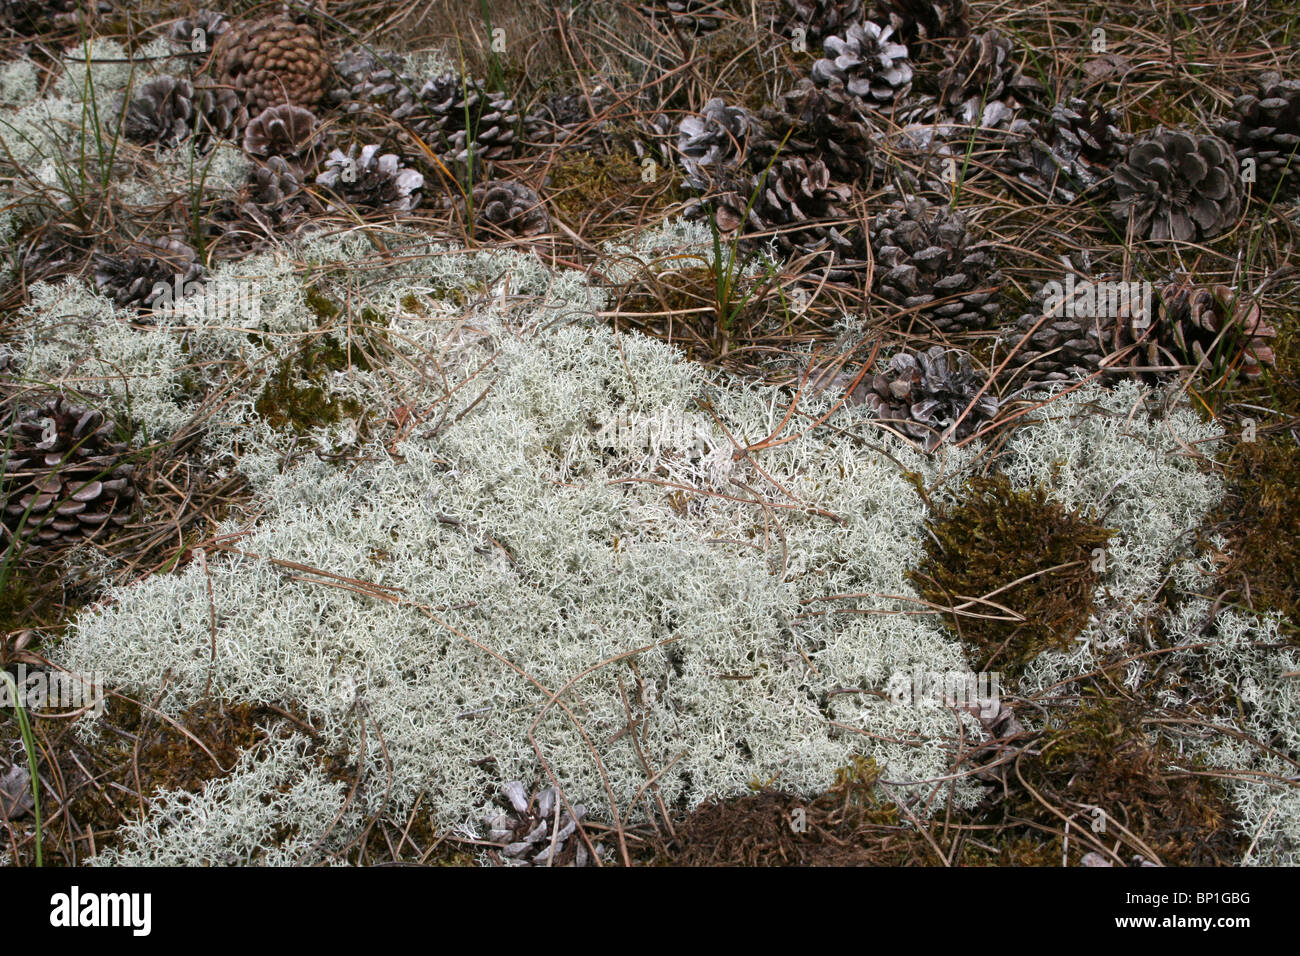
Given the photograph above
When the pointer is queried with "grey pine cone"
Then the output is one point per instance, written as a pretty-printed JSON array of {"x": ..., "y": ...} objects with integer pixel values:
[
  {"x": 712, "y": 144},
  {"x": 982, "y": 83},
  {"x": 287, "y": 131},
  {"x": 371, "y": 180},
  {"x": 1067, "y": 153},
  {"x": 510, "y": 207},
  {"x": 926, "y": 19},
  {"x": 1265, "y": 126},
  {"x": 926, "y": 261},
  {"x": 531, "y": 833},
  {"x": 923, "y": 393},
  {"x": 161, "y": 112},
  {"x": 129, "y": 277},
  {"x": 1174, "y": 185},
  {"x": 868, "y": 62}
]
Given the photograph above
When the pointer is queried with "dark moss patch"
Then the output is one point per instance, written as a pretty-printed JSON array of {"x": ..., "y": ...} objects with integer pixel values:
[
  {"x": 296, "y": 397},
  {"x": 851, "y": 824},
  {"x": 1025, "y": 553},
  {"x": 1097, "y": 766},
  {"x": 1261, "y": 515},
  {"x": 602, "y": 195}
]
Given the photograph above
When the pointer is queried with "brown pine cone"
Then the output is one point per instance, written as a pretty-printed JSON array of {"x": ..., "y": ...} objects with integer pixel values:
[{"x": 272, "y": 61}]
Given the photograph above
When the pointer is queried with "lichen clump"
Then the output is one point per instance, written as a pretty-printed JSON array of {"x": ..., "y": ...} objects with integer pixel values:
[{"x": 1003, "y": 553}]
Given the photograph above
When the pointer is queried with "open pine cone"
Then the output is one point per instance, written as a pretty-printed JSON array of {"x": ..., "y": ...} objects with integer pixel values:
[
  {"x": 509, "y": 207},
  {"x": 198, "y": 33},
  {"x": 439, "y": 115},
  {"x": 925, "y": 261},
  {"x": 1192, "y": 322},
  {"x": 64, "y": 478},
  {"x": 921, "y": 394},
  {"x": 129, "y": 277},
  {"x": 1265, "y": 126},
  {"x": 272, "y": 61},
  {"x": 868, "y": 62},
  {"x": 926, "y": 19},
  {"x": 818, "y": 18},
  {"x": 806, "y": 214},
  {"x": 287, "y": 131},
  {"x": 983, "y": 85},
  {"x": 1067, "y": 153},
  {"x": 275, "y": 196},
  {"x": 218, "y": 114},
  {"x": 712, "y": 145},
  {"x": 1061, "y": 348},
  {"x": 524, "y": 829},
  {"x": 1174, "y": 185},
  {"x": 824, "y": 124},
  {"x": 372, "y": 181},
  {"x": 161, "y": 112}
]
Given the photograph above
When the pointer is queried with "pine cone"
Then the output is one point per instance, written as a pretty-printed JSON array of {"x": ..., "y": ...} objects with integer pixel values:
[
  {"x": 218, "y": 114},
  {"x": 524, "y": 829},
  {"x": 982, "y": 84},
  {"x": 161, "y": 112},
  {"x": 1265, "y": 127},
  {"x": 925, "y": 261},
  {"x": 287, "y": 131},
  {"x": 199, "y": 33},
  {"x": 1174, "y": 185},
  {"x": 822, "y": 123},
  {"x": 372, "y": 181},
  {"x": 917, "y": 157},
  {"x": 65, "y": 479},
  {"x": 509, "y": 207},
  {"x": 438, "y": 116},
  {"x": 712, "y": 145},
  {"x": 1061, "y": 348},
  {"x": 926, "y": 19},
  {"x": 819, "y": 19},
  {"x": 921, "y": 394},
  {"x": 1189, "y": 322},
  {"x": 275, "y": 196},
  {"x": 129, "y": 278},
  {"x": 691, "y": 17},
  {"x": 272, "y": 61},
  {"x": 804, "y": 210},
  {"x": 32, "y": 17},
  {"x": 1066, "y": 153},
  {"x": 562, "y": 115},
  {"x": 369, "y": 85},
  {"x": 1202, "y": 321},
  {"x": 868, "y": 62}
]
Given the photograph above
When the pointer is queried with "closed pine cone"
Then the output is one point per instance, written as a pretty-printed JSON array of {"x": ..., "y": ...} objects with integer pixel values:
[{"x": 272, "y": 61}]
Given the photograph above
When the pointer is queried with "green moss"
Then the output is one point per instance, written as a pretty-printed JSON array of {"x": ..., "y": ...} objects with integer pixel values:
[
  {"x": 1261, "y": 514},
  {"x": 324, "y": 307},
  {"x": 1019, "y": 550},
  {"x": 600, "y": 195},
  {"x": 296, "y": 398},
  {"x": 1099, "y": 755}
]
